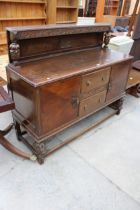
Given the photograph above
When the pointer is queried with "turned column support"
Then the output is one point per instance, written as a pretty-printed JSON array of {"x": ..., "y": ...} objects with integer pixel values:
[
  {"x": 135, "y": 91},
  {"x": 117, "y": 105},
  {"x": 40, "y": 151}
]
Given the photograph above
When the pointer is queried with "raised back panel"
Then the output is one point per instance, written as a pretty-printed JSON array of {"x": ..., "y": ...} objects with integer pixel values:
[
  {"x": 27, "y": 43},
  {"x": 50, "y": 45}
]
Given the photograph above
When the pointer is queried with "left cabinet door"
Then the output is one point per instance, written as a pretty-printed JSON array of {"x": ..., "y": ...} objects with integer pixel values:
[{"x": 59, "y": 103}]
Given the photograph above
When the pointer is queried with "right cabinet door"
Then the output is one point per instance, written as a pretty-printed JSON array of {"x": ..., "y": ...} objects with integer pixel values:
[{"x": 118, "y": 80}]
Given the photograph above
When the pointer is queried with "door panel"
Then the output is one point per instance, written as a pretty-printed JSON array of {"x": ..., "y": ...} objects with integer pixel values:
[
  {"x": 59, "y": 103},
  {"x": 118, "y": 80}
]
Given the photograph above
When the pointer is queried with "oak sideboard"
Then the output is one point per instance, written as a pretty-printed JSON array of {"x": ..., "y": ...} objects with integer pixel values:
[{"x": 60, "y": 74}]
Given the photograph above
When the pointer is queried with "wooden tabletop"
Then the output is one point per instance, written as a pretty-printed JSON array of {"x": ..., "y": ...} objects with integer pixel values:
[{"x": 63, "y": 66}]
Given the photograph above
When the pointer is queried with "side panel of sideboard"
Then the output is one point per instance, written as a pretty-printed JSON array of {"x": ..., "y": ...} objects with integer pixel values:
[{"x": 25, "y": 97}]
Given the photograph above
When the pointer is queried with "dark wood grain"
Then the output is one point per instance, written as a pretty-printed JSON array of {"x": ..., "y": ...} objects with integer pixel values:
[
  {"x": 134, "y": 78},
  {"x": 50, "y": 45},
  {"x": 30, "y": 32},
  {"x": 24, "y": 97},
  {"x": 92, "y": 103},
  {"x": 95, "y": 80},
  {"x": 57, "y": 38},
  {"x": 59, "y": 103},
  {"x": 67, "y": 65},
  {"x": 59, "y": 75},
  {"x": 118, "y": 80}
]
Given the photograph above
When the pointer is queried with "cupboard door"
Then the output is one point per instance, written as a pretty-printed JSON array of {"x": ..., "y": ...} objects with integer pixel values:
[
  {"x": 118, "y": 80},
  {"x": 59, "y": 103}
]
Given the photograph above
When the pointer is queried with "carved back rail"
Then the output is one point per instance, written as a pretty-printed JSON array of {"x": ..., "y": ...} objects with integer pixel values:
[{"x": 28, "y": 43}]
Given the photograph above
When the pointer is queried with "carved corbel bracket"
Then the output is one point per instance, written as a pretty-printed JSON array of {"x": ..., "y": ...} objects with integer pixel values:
[
  {"x": 14, "y": 49},
  {"x": 106, "y": 39}
]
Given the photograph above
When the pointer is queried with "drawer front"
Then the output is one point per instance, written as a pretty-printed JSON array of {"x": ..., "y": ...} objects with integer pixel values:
[
  {"x": 92, "y": 103},
  {"x": 95, "y": 80}
]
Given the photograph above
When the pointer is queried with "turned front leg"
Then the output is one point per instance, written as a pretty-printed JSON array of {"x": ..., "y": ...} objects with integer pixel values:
[
  {"x": 117, "y": 105},
  {"x": 135, "y": 91},
  {"x": 40, "y": 151}
]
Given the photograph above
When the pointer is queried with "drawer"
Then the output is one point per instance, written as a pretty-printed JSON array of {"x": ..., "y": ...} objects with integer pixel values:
[
  {"x": 95, "y": 80},
  {"x": 92, "y": 103}
]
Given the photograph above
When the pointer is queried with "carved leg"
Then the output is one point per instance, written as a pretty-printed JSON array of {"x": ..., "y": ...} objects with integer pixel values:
[
  {"x": 135, "y": 91},
  {"x": 19, "y": 133},
  {"x": 40, "y": 151},
  {"x": 117, "y": 105}
]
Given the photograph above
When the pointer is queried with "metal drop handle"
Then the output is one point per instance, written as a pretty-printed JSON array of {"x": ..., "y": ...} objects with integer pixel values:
[
  {"x": 75, "y": 101},
  {"x": 88, "y": 83},
  {"x": 85, "y": 107},
  {"x": 103, "y": 79},
  {"x": 100, "y": 100},
  {"x": 109, "y": 86}
]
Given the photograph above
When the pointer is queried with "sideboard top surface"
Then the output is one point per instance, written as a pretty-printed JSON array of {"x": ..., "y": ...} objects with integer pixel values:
[{"x": 54, "y": 68}]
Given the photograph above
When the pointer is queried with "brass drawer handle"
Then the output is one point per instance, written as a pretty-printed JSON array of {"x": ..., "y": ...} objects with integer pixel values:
[
  {"x": 103, "y": 79},
  {"x": 88, "y": 83},
  {"x": 109, "y": 86},
  {"x": 85, "y": 107},
  {"x": 131, "y": 78},
  {"x": 100, "y": 100}
]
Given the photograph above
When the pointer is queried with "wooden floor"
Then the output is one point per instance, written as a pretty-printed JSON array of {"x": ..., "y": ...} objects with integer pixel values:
[{"x": 3, "y": 63}]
